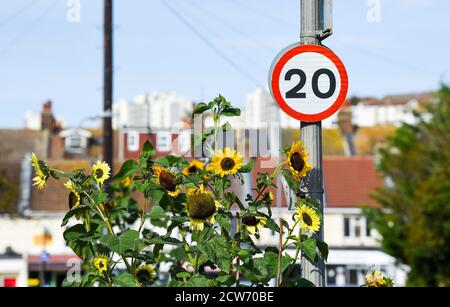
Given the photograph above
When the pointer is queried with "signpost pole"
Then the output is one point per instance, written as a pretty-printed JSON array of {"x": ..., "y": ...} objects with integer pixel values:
[{"x": 311, "y": 136}]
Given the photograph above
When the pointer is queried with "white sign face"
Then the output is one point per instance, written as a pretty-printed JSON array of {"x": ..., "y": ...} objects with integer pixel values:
[{"x": 309, "y": 82}]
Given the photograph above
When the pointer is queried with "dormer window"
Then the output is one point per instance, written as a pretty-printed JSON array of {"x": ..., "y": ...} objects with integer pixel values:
[{"x": 75, "y": 140}]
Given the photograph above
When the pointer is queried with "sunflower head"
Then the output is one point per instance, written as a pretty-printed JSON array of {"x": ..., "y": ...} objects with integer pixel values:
[
  {"x": 108, "y": 206},
  {"x": 254, "y": 223},
  {"x": 297, "y": 159},
  {"x": 193, "y": 167},
  {"x": 269, "y": 197},
  {"x": 127, "y": 182},
  {"x": 308, "y": 218},
  {"x": 146, "y": 274},
  {"x": 201, "y": 207},
  {"x": 226, "y": 162},
  {"x": 167, "y": 180},
  {"x": 42, "y": 171},
  {"x": 100, "y": 264},
  {"x": 101, "y": 171},
  {"x": 375, "y": 279}
]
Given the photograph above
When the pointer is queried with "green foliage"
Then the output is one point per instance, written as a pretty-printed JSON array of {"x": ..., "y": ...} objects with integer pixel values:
[
  {"x": 414, "y": 218},
  {"x": 192, "y": 222}
]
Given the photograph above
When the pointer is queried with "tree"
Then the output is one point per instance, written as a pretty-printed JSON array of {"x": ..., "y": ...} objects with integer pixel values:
[{"x": 414, "y": 214}]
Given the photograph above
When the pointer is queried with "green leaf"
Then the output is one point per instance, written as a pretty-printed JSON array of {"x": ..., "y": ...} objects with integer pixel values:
[
  {"x": 230, "y": 111},
  {"x": 323, "y": 249},
  {"x": 129, "y": 240},
  {"x": 309, "y": 248},
  {"x": 272, "y": 225},
  {"x": 247, "y": 168},
  {"x": 99, "y": 197},
  {"x": 164, "y": 240},
  {"x": 156, "y": 196},
  {"x": 168, "y": 161},
  {"x": 125, "y": 280},
  {"x": 183, "y": 275},
  {"x": 226, "y": 127},
  {"x": 68, "y": 284},
  {"x": 227, "y": 279},
  {"x": 127, "y": 169},
  {"x": 200, "y": 108},
  {"x": 217, "y": 251},
  {"x": 112, "y": 242},
  {"x": 74, "y": 233},
  {"x": 224, "y": 222},
  {"x": 245, "y": 255},
  {"x": 157, "y": 213},
  {"x": 73, "y": 212},
  {"x": 200, "y": 281},
  {"x": 304, "y": 283},
  {"x": 291, "y": 181},
  {"x": 148, "y": 149}
]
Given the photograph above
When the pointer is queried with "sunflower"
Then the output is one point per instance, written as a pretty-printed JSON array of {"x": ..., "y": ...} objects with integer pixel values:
[
  {"x": 375, "y": 279},
  {"x": 201, "y": 207},
  {"x": 167, "y": 180},
  {"x": 101, "y": 263},
  {"x": 254, "y": 223},
  {"x": 308, "y": 218},
  {"x": 146, "y": 273},
  {"x": 193, "y": 167},
  {"x": 269, "y": 197},
  {"x": 74, "y": 196},
  {"x": 127, "y": 182},
  {"x": 226, "y": 162},
  {"x": 41, "y": 170},
  {"x": 298, "y": 160},
  {"x": 100, "y": 171}
]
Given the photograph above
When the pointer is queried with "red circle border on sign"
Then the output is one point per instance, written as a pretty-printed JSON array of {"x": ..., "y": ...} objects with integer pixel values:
[{"x": 275, "y": 85}]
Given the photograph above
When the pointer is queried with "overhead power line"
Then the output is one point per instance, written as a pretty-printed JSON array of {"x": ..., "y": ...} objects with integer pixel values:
[
  {"x": 217, "y": 34},
  {"x": 210, "y": 44},
  {"x": 28, "y": 29},
  {"x": 233, "y": 27},
  {"x": 17, "y": 13}
]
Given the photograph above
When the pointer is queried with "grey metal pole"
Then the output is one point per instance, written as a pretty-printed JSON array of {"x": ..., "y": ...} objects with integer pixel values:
[{"x": 311, "y": 136}]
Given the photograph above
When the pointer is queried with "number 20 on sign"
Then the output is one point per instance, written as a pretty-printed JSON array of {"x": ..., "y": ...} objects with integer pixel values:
[{"x": 309, "y": 82}]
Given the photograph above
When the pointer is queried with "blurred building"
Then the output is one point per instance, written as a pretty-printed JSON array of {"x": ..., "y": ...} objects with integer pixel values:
[
  {"x": 157, "y": 110},
  {"x": 390, "y": 110}
]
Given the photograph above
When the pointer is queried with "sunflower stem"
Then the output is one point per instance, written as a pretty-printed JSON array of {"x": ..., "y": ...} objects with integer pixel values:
[
  {"x": 297, "y": 251},
  {"x": 280, "y": 254}
]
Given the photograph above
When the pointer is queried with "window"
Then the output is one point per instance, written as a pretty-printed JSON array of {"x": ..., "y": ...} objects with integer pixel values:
[
  {"x": 163, "y": 141},
  {"x": 356, "y": 227},
  {"x": 133, "y": 141}
]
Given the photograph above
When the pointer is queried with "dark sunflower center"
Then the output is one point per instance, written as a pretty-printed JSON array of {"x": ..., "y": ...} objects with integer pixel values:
[
  {"x": 297, "y": 162},
  {"x": 73, "y": 199},
  {"x": 101, "y": 265},
  {"x": 227, "y": 164},
  {"x": 98, "y": 173},
  {"x": 143, "y": 276},
  {"x": 307, "y": 219},
  {"x": 250, "y": 220},
  {"x": 192, "y": 169},
  {"x": 167, "y": 180},
  {"x": 201, "y": 206}
]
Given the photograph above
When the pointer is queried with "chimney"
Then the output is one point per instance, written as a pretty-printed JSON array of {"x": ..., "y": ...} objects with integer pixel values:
[
  {"x": 347, "y": 129},
  {"x": 47, "y": 119}
]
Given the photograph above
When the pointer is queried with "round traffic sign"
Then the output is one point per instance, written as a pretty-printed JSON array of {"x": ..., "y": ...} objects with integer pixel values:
[{"x": 309, "y": 82}]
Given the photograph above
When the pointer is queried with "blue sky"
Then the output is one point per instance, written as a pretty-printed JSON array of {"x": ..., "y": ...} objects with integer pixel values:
[{"x": 43, "y": 56}]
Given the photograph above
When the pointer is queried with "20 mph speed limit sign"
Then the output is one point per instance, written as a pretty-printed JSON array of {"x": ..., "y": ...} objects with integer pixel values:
[{"x": 309, "y": 82}]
